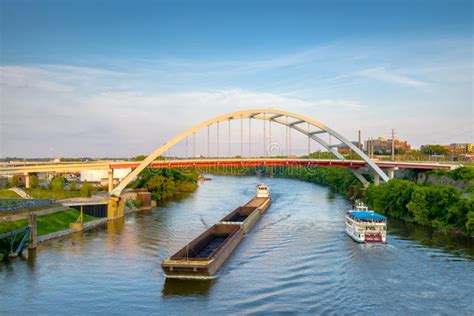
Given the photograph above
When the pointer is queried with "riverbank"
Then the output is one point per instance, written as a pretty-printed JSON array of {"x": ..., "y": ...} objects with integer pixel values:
[
  {"x": 50, "y": 223},
  {"x": 164, "y": 185}
]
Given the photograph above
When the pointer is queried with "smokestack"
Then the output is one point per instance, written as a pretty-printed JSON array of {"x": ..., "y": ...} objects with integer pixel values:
[{"x": 360, "y": 144}]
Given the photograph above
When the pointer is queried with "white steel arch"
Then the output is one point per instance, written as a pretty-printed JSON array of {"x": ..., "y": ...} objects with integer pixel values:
[{"x": 261, "y": 114}]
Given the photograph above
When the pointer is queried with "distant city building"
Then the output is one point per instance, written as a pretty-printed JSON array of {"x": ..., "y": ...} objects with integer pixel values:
[
  {"x": 459, "y": 148},
  {"x": 344, "y": 149},
  {"x": 385, "y": 145}
]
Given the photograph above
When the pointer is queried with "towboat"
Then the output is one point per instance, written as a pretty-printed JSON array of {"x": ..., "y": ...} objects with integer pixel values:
[
  {"x": 365, "y": 226},
  {"x": 202, "y": 257}
]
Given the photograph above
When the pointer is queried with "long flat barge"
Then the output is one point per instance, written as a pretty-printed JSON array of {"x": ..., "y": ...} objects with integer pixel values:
[{"x": 204, "y": 255}]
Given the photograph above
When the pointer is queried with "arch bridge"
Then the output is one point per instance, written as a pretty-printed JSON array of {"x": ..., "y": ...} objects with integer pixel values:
[{"x": 314, "y": 131}]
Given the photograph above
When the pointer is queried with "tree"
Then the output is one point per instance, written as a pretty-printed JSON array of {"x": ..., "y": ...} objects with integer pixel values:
[
  {"x": 86, "y": 189},
  {"x": 34, "y": 182},
  {"x": 435, "y": 150},
  {"x": 139, "y": 158},
  {"x": 73, "y": 186},
  {"x": 15, "y": 180},
  {"x": 470, "y": 222},
  {"x": 57, "y": 183}
]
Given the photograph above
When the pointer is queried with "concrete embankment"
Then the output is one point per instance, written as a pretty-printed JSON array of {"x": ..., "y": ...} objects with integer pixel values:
[
  {"x": 66, "y": 232},
  {"x": 87, "y": 226}
]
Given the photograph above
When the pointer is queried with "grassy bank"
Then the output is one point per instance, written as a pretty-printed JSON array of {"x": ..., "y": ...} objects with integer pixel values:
[
  {"x": 46, "y": 224},
  {"x": 50, "y": 194},
  {"x": 49, "y": 223},
  {"x": 8, "y": 194}
]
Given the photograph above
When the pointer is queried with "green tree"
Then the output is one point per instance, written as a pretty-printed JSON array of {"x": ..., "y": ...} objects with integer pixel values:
[
  {"x": 34, "y": 182},
  {"x": 73, "y": 186},
  {"x": 470, "y": 222},
  {"x": 15, "y": 181},
  {"x": 57, "y": 183},
  {"x": 435, "y": 150},
  {"x": 86, "y": 189},
  {"x": 155, "y": 186}
]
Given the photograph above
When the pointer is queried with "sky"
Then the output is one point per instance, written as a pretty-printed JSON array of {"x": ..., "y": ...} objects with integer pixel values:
[{"x": 119, "y": 78}]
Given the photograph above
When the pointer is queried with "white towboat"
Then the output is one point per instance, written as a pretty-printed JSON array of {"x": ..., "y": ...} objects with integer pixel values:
[
  {"x": 365, "y": 226},
  {"x": 263, "y": 191}
]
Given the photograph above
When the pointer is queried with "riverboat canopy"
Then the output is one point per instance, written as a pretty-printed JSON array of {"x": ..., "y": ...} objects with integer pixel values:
[{"x": 368, "y": 216}]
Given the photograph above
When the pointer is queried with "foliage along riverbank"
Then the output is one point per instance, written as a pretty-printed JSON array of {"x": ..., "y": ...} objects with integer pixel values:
[
  {"x": 443, "y": 207},
  {"x": 165, "y": 184}
]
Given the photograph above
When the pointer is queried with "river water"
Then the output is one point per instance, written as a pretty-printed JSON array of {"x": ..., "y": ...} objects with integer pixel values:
[{"x": 296, "y": 259}]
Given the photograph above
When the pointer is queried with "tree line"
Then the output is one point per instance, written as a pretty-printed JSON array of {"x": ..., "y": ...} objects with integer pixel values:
[{"x": 166, "y": 183}]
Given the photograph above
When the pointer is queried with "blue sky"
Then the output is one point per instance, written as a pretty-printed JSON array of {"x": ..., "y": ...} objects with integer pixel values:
[{"x": 111, "y": 77}]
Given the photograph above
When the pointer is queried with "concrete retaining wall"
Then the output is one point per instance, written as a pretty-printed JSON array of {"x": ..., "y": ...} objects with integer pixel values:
[{"x": 66, "y": 232}]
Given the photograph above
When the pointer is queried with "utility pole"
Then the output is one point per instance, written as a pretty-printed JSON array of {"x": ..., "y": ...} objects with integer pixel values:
[
  {"x": 370, "y": 148},
  {"x": 393, "y": 144}
]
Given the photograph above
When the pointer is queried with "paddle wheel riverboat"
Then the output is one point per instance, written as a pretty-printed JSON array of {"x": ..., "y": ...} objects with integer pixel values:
[{"x": 365, "y": 226}]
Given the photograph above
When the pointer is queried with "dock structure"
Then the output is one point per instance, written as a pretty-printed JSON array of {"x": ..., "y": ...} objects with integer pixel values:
[{"x": 204, "y": 255}]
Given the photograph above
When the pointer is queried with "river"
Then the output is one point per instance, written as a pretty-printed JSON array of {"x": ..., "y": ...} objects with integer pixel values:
[{"x": 296, "y": 259}]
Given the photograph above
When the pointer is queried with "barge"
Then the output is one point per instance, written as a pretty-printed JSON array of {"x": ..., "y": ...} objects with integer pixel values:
[
  {"x": 366, "y": 226},
  {"x": 246, "y": 216},
  {"x": 202, "y": 257}
]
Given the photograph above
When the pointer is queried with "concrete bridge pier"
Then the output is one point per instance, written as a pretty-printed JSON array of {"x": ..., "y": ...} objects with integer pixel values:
[
  {"x": 27, "y": 180},
  {"x": 34, "y": 232},
  {"x": 115, "y": 207},
  {"x": 376, "y": 179},
  {"x": 391, "y": 172},
  {"x": 111, "y": 179}
]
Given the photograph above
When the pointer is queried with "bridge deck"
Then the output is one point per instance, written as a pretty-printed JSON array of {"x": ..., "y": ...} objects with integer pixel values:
[{"x": 223, "y": 162}]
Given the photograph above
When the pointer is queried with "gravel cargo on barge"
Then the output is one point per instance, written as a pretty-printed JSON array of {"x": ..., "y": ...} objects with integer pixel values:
[{"x": 204, "y": 255}]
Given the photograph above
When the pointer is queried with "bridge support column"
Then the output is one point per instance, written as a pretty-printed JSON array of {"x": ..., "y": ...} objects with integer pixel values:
[
  {"x": 111, "y": 179},
  {"x": 391, "y": 172},
  {"x": 34, "y": 231},
  {"x": 376, "y": 179},
  {"x": 27, "y": 180},
  {"x": 115, "y": 208}
]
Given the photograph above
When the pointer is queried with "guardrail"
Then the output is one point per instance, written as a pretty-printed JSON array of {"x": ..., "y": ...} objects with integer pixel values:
[{"x": 15, "y": 205}]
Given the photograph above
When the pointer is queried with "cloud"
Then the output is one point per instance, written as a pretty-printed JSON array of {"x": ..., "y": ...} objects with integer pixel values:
[
  {"x": 103, "y": 110},
  {"x": 42, "y": 109},
  {"x": 380, "y": 73}
]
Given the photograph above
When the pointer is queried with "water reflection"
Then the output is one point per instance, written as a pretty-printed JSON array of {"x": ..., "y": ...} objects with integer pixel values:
[
  {"x": 177, "y": 287},
  {"x": 331, "y": 195},
  {"x": 31, "y": 259},
  {"x": 459, "y": 246},
  {"x": 116, "y": 226}
]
